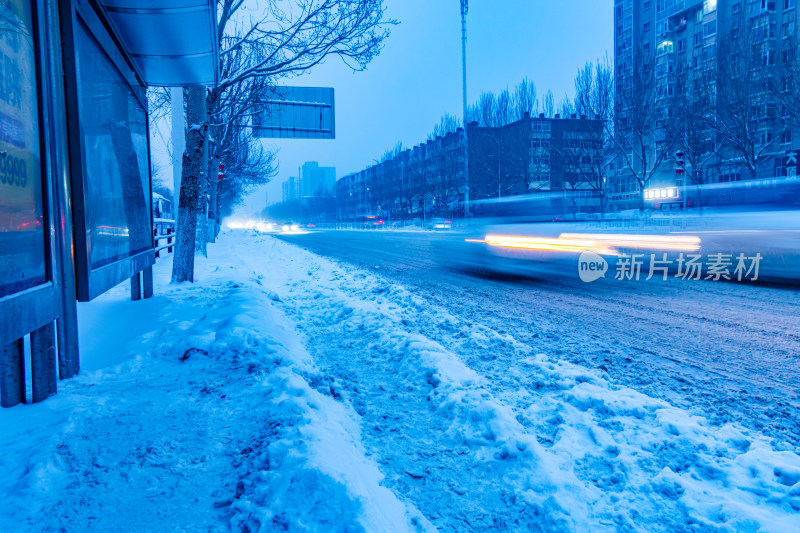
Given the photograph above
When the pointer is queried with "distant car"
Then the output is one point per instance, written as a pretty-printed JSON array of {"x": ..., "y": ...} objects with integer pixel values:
[{"x": 440, "y": 223}]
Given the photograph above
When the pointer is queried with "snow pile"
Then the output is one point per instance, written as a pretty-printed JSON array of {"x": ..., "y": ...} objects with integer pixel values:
[
  {"x": 198, "y": 410},
  {"x": 585, "y": 453}
]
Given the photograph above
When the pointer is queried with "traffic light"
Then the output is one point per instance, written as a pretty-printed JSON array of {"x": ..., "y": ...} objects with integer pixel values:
[
  {"x": 679, "y": 162},
  {"x": 221, "y": 168}
]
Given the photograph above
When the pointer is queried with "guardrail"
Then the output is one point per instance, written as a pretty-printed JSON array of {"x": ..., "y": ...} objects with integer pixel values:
[{"x": 163, "y": 230}]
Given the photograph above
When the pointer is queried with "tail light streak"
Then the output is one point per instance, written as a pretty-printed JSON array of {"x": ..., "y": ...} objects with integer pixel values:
[{"x": 603, "y": 244}]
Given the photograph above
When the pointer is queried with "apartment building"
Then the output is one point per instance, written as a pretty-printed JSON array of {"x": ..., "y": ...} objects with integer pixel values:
[
  {"x": 665, "y": 37},
  {"x": 531, "y": 155}
]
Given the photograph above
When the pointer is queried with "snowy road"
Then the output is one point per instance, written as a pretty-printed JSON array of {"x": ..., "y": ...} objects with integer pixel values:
[
  {"x": 476, "y": 417},
  {"x": 728, "y": 352}
]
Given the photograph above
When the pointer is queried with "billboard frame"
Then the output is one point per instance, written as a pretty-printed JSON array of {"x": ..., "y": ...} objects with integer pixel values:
[
  {"x": 37, "y": 306},
  {"x": 92, "y": 282}
]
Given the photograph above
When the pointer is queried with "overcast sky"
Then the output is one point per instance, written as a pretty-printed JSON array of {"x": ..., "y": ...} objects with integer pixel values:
[{"x": 417, "y": 76}]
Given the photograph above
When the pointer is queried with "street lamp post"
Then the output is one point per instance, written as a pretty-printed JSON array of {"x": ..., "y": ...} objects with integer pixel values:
[{"x": 464, "y": 8}]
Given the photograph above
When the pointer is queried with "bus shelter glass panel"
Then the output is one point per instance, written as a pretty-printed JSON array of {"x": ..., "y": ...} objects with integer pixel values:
[
  {"x": 23, "y": 239},
  {"x": 114, "y": 130}
]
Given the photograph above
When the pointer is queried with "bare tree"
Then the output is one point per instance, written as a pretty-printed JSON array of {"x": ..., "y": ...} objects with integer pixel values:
[
  {"x": 549, "y": 105},
  {"x": 504, "y": 109},
  {"x": 248, "y": 165},
  {"x": 566, "y": 107},
  {"x": 287, "y": 39},
  {"x": 781, "y": 79},
  {"x": 747, "y": 120},
  {"x": 525, "y": 99},
  {"x": 484, "y": 110},
  {"x": 391, "y": 153},
  {"x": 589, "y": 158},
  {"x": 691, "y": 110},
  {"x": 640, "y": 137},
  {"x": 448, "y": 124}
]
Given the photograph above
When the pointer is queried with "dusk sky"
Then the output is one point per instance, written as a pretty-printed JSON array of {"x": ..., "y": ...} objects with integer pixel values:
[{"x": 417, "y": 77}]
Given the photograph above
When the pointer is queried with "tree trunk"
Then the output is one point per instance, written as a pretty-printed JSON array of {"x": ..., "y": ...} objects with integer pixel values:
[
  {"x": 602, "y": 205},
  {"x": 213, "y": 190},
  {"x": 191, "y": 174},
  {"x": 642, "y": 204},
  {"x": 700, "y": 198},
  {"x": 201, "y": 236}
]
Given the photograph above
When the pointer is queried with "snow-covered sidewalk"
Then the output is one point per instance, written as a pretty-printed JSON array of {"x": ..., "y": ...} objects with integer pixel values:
[
  {"x": 197, "y": 410},
  {"x": 284, "y": 391}
]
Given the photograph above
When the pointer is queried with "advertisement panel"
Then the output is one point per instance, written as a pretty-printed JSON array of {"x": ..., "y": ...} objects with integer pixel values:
[
  {"x": 23, "y": 247},
  {"x": 113, "y": 128}
]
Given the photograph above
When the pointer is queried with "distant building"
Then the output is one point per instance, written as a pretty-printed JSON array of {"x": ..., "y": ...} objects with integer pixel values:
[
  {"x": 529, "y": 156},
  {"x": 289, "y": 189},
  {"x": 316, "y": 181}
]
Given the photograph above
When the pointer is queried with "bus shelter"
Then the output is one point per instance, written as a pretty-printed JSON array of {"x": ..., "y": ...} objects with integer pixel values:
[{"x": 75, "y": 184}]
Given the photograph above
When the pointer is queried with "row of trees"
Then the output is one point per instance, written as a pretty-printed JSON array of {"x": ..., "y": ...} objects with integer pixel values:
[
  {"x": 502, "y": 160},
  {"x": 261, "y": 44}
]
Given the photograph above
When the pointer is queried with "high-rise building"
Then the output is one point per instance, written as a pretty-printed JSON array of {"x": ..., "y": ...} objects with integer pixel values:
[
  {"x": 316, "y": 181},
  {"x": 689, "y": 43},
  {"x": 289, "y": 189}
]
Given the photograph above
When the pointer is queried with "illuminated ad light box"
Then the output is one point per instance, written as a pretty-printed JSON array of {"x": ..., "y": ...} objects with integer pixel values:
[
  {"x": 111, "y": 170},
  {"x": 23, "y": 235},
  {"x": 296, "y": 113}
]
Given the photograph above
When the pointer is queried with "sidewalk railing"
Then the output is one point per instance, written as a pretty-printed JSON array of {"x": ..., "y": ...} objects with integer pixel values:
[{"x": 163, "y": 231}]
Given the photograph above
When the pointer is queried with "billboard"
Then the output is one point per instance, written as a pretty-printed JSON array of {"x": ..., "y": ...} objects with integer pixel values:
[
  {"x": 23, "y": 237},
  {"x": 111, "y": 171},
  {"x": 296, "y": 113}
]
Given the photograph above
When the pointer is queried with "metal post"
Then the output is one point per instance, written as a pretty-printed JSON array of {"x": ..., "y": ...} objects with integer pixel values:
[
  {"x": 67, "y": 323},
  {"x": 147, "y": 282},
  {"x": 136, "y": 287},
  {"x": 464, "y": 8},
  {"x": 12, "y": 374},
  {"x": 43, "y": 362}
]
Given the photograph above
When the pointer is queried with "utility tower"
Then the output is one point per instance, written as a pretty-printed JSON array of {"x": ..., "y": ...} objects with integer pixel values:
[{"x": 464, "y": 8}]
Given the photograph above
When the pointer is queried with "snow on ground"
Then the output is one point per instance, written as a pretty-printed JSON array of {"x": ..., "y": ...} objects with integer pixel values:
[
  {"x": 284, "y": 391},
  {"x": 197, "y": 410},
  {"x": 551, "y": 447}
]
